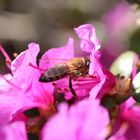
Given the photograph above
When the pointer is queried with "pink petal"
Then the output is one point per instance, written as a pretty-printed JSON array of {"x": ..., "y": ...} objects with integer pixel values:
[
  {"x": 13, "y": 131},
  {"x": 88, "y": 37},
  {"x": 81, "y": 121},
  {"x": 57, "y": 55},
  {"x": 10, "y": 103},
  {"x": 23, "y": 73},
  {"x": 26, "y": 57},
  {"x": 107, "y": 79}
]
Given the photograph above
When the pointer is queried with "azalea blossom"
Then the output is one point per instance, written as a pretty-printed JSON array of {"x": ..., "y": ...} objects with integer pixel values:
[
  {"x": 24, "y": 92},
  {"x": 82, "y": 121},
  {"x": 119, "y": 22},
  {"x": 27, "y": 76},
  {"x": 99, "y": 79},
  {"x": 127, "y": 123}
]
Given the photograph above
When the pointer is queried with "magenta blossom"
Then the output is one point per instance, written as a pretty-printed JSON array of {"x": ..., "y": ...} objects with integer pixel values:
[
  {"x": 118, "y": 22},
  {"x": 26, "y": 92},
  {"x": 83, "y": 121},
  {"x": 26, "y": 63},
  {"x": 23, "y": 90},
  {"x": 127, "y": 125},
  {"x": 26, "y": 74},
  {"x": 99, "y": 81},
  {"x": 81, "y": 85},
  {"x": 13, "y": 131}
]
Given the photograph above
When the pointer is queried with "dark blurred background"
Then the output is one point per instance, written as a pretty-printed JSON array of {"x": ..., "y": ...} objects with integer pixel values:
[{"x": 50, "y": 23}]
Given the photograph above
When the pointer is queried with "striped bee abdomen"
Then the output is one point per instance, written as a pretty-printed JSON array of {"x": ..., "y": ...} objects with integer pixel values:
[{"x": 55, "y": 73}]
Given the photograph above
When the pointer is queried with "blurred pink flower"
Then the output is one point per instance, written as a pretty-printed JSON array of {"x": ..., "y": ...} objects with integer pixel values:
[
  {"x": 119, "y": 22},
  {"x": 82, "y": 121},
  {"x": 13, "y": 131},
  {"x": 128, "y": 122}
]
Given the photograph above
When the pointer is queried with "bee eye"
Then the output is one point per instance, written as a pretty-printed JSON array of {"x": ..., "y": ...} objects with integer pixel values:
[{"x": 87, "y": 63}]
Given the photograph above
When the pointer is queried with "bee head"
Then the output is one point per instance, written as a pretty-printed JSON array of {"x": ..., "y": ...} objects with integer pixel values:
[{"x": 87, "y": 62}]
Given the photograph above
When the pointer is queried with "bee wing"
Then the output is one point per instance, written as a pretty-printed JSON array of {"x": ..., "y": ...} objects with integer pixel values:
[
  {"x": 54, "y": 59},
  {"x": 55, "y": 73},
  {"x": 50, "y": 62}
]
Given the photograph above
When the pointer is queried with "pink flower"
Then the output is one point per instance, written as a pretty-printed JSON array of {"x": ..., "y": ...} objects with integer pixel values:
[
  {"x": 26, "y": 75},
  {"x": 119, "y": 20},
  {"x": 23, "y": 89},
  {"x": 128, "y": 122},
  {"x": 13, "y": 131},
  {"x": 63, "y": 54},
  {"x": 99, "y": 81},
  {"x": 83, "y": 121}
]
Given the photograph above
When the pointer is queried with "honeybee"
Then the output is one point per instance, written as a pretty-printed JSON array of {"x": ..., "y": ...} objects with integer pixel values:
[{"x": 76, "y": 67}]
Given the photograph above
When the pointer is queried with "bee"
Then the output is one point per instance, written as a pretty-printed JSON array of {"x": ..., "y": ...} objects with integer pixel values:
[{"x": 76, "y": 67}]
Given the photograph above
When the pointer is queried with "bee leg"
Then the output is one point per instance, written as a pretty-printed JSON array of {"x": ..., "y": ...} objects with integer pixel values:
[{"x": 71, "y": 88}]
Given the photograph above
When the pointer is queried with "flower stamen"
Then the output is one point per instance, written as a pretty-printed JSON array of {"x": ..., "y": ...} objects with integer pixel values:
[
  {"x": 7, "y": 58},
  {"x": 9, "y": 82},
  {"x": 36, "y": 67}
]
